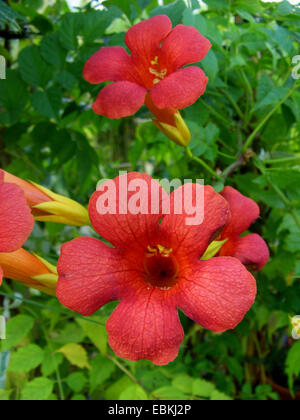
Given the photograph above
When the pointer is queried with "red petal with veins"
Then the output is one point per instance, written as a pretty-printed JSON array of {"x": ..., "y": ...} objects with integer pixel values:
[
  {"x": 16, "y": 221},
  {"x": 110, "y": 64},
  {"x": 146, "y": 325},
  {"x": 244, "y": 212},
  {"x": 145, "y": 38},
  {"x": 191, "y": 241},
  {"x": 251, "y": 250},
  {"x": 125, "y": 229},
  {"x": 217, "y": 293},
  {"x": 184, "y": 45},
  {"x": 180, "y": 89},
  {"x": 120, "y": 99},
  {"x": 91, "y": 274}
]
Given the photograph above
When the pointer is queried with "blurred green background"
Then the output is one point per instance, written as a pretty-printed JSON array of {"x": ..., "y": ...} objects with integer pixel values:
[{"x": 49, "y": 134}]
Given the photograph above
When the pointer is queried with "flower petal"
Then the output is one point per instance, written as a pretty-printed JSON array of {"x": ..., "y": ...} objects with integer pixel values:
[
  {"x": 244, "y": 212},
  {"x": 120, "y": 99},
  {"x": 128, "y": 196},
  {"x": 180, "y": 89},
  {"x": 251, "y": 250},
  {"x": 109, "y": 64},
  {"x": 146, "y": 325},
  {"x": 16, "y": 221},
  {"x": 91, "y": 274},
  {"x": 210, "y": 214},
  {"x": 184, "y": 45},
  {"x": 145, "y": 38},
  {"x": 217, "y": 293}
]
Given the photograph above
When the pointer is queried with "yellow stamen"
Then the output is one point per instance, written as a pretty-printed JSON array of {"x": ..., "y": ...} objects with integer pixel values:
[{"x": 158, "y": 250}]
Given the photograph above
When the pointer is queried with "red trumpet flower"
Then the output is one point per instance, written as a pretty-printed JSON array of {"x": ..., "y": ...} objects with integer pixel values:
[
  {"x": 251, "y": 249},
  {"x": 154, "y": 269},
  {"x": 158, "y": 54},
  {"x": 16, "y": 221}
]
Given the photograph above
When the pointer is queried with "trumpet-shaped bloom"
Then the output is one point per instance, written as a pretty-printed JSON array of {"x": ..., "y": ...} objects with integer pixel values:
[
  {"x": 154, "y": 268},
  {"x": 158, "y": 54},
  {"x": 46, "y": 206},
  {"x": 251, "y": 249},
  {"x": 16, "y": 221}
]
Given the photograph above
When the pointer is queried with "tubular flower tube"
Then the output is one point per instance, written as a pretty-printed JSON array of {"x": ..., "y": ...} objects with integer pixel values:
[
  {"x": 29, "y": 270},
  {"x": 46, "y": 206},
  {"x": 155, "y": 67},
  {"x": 16, "y": 222},
  {"x": 154, "y": 268},
  {"x": 251, "y": 249}
]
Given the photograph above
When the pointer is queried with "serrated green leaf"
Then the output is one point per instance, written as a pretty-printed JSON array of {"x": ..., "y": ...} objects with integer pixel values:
[
  {"x": 39, "y": 389},
  {"x": 26, "y": 358},
  {"x": 16, "y": 329}
]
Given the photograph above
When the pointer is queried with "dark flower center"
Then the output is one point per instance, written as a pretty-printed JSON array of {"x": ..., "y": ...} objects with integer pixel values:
[{"x": 161, "y": 267}]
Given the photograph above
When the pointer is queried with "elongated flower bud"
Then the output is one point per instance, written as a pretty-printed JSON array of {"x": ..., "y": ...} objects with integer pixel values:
[
  {"x": 29, "y": 270},
  {"x": 46, "y": 206},
  {"x": 170, "y": 122}
]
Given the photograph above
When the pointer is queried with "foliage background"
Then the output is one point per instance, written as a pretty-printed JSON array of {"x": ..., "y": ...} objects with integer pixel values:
[{"x": 246, "y": 128}]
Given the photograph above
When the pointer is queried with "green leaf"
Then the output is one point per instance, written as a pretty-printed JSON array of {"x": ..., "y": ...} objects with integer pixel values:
[
  {"x": 173, "y": 10},
  {"x": 101, "y": 370},
  {"x": 184, "y": 383},
  {"x": 273, "y": 97},
  {"x": 26, "y": 358},
  {"x": 48, "y": 102},
  {"x": 13, "y": 97},
  {"x": 69, "y": 30},
  {"x": 210, "y": 65},
  {"x": 219, "y": 396},
  {"x": 134, "y": 393},
  {"x": 34, "y": 70},
  {"x": 95, "y": 22},
  {"x": 202, "y": 388},
  {"x": 114, "y": 391},
  {"x": 169, "y": 393},
  {"x": 76, "y": 381},
  {"x": 5, "y": 394},
  {"x": 52, "y": 51},
  {"x": 76, "y": 355},
  {"x": 16, "y": 329},
  {"x": 293, "y": 363},
  {"x": 96, "y": 333},
  {"x": 39, "y": 389},
  {"x": 50, "y": 362}
]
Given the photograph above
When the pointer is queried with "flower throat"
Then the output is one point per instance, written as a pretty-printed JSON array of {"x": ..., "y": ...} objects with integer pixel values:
[{"x": 161, "y": 267}]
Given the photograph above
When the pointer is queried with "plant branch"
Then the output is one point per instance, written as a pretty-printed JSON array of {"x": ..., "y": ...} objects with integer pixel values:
[{"x": 202, "y": 163}]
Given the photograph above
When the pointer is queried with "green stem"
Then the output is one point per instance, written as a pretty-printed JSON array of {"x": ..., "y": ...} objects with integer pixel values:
[
  {"x": 282, "y": 160},
  {"x": 127, "y": 372},
  {"x": 234, "y": 104},
  {"x": 202, "y": 163},
  {"x": 251, "y": 138},
  {"x": 58, "y": 377},
  {"x": 280, "y": 194},
  {"x": 215, "y": 113}
]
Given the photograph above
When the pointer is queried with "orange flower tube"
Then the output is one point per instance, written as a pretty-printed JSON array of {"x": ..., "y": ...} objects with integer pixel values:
[
  {"x": 46, "y": 206},
  {"x": 29, "y": 270}
]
